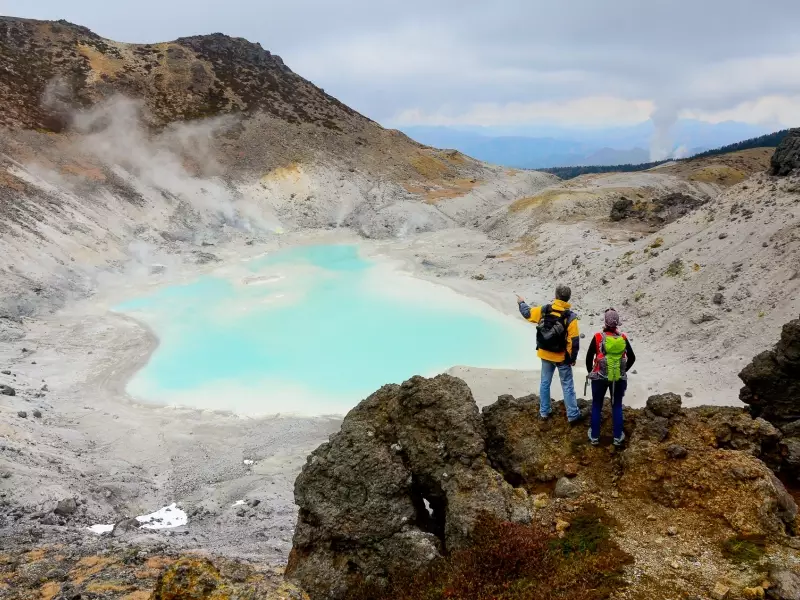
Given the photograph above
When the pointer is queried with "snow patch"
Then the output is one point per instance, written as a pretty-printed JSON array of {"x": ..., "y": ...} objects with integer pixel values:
[
  {"x": 248, "y": 462},
  {"x": 101, "y": 529},
  {"x": 164, "y": 518}
]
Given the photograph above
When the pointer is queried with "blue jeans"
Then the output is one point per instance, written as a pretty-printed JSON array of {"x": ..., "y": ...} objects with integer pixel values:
[
  {"x": 599, "y": 388},
  {"x": 567, "y": 386}
]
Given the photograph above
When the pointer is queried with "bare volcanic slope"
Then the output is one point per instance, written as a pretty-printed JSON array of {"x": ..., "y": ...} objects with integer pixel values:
[
  {"x": 189, "y": 78},
  {"x": 54, "y": 69}
]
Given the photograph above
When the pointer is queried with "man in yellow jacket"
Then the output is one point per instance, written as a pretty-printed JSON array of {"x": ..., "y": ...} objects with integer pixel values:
[{"x": 557, "y": 344}]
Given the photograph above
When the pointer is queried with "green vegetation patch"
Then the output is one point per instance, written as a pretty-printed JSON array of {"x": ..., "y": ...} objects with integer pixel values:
[
  {"x": 744, "y": 548},
  {"x": 587, "y": 533},
  {"x": 675, "y": 268}
]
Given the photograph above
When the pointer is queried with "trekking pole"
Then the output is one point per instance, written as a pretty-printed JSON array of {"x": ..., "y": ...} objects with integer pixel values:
[{"x": 585, "y": 385}]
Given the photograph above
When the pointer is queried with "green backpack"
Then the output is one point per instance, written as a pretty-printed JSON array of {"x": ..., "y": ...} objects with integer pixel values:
[{"x": 611, "y": 360}]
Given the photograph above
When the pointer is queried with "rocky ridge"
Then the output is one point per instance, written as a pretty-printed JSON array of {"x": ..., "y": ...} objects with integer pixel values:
[{"x": 414, "y": 467}]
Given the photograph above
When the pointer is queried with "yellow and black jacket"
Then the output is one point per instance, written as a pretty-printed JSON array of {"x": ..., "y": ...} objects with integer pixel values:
[{"x": 559, "y": 307}]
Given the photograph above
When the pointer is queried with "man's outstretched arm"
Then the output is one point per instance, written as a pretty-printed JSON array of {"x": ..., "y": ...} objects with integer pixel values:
[{"x": 530, "y": 313}]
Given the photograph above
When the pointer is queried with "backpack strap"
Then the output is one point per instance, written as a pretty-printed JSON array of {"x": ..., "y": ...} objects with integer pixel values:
[
  {"x": 546, "y": 310},
  {"x": 598, "y": 342}
]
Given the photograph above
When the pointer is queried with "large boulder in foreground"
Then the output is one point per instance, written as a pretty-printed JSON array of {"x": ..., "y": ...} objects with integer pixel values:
[
  {"x": 405, "y": 479},
  {"x": 787, "y": 155},
  {"x": 772, "y": 379}
]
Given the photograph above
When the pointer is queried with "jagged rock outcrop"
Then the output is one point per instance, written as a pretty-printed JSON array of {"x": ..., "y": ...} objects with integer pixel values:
[
  {"x": 772, "y": 379},
  {"x": 787, "y": 155},
  {"x": 716, "y": 471},
  {"x": 658, "y": 211},
  {"x": 414, "y": 466},
  {"x": 772, "y": 389},
  {"x": 704, "y": 459},
  {"x": 405, "y": 479}
]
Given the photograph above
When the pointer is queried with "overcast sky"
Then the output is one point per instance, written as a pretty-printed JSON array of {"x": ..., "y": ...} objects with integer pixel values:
[{"x": 507, "y": 62}]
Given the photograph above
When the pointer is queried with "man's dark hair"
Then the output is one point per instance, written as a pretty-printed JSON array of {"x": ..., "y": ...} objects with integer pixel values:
[{"x": 563, "y": 293}]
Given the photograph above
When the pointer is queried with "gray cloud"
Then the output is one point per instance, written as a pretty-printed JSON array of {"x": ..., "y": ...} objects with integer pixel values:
[{"x": 444, "y": 57}]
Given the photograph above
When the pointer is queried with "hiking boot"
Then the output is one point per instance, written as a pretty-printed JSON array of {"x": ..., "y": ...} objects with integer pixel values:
[
  {"x": 577, "y": 420},
  {"x": 545, "y": 417},
  {"x": 593, "y": 441},
  {"x": 619, "y": 441}
]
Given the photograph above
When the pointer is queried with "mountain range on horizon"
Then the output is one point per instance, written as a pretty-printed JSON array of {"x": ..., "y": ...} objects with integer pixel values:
[{"x": 544, "y": 146}]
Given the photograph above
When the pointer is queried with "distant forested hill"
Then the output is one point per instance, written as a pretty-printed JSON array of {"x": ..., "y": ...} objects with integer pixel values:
[{"x": 770, "y": 140}]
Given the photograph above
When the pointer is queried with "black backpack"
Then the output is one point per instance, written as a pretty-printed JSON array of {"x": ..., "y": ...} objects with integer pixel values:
[{"x": 551, "y": 331}]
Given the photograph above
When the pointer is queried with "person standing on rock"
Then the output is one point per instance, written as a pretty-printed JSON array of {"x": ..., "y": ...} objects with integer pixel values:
[
  {"x": 557, "y": 344},
  {"x": 608, "y": 360}
]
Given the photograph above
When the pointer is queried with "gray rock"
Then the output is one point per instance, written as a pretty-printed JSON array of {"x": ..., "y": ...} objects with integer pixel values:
[
  {"x": 701, "y": 318},
  {"x": 772, "y": 379},
  {"x": 688, "y": 395},
  {"x": 791, "y": 429},
  {"x": 718, "y": 298},
  {"x": 253, "y": 502},
  {"x": 124, "y": 526},
  {"x": 785, "y": 585},
  {"x": 676, "y": 451},
  {"x": 66, "y": 507},
  {"x": 651, "y": 427},
  {"x": 51, "y": 519},
  {"x": 7, "y": 390},
  {"x": 6, "y": 372},
  {"x": 363, "y": 507},
  {"x": 203, "y": 258},
  {"x": 621, "y": 208},
  {"x": 567, "y": 488},
  {"x": 790, "y": 452},
  {"x": 22, "y": 414},
  {"x": 722, "y": 235},
  {"x": 664, "y": 405},
  {"x": 37, "y": 413},
  {"x": 786, "y": 157},
  {"x": 787, "y": 507}
]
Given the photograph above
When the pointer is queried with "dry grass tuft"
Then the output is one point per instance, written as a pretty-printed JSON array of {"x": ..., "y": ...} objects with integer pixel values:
[
  {"x": 509, "y": 561},
  {"x": 719, "y": 174},
  {"x": 100, "y": 63},
  {"x": 429, "y": 167}
]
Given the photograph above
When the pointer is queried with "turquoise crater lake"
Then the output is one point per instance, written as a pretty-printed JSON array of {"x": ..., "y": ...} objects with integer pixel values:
[{"x": 312, "y": 330}]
